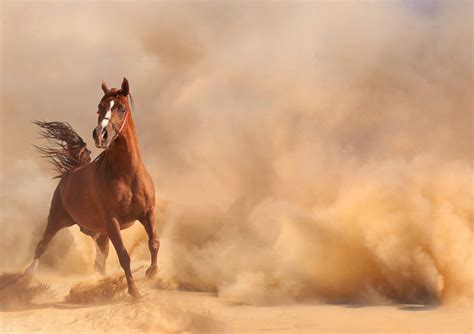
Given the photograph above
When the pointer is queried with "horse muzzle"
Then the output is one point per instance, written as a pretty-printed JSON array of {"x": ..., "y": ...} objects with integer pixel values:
[{"x": 100, "y": 136}]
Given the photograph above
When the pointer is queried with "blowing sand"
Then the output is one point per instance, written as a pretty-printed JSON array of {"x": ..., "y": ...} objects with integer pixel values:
[
  {"x": 174, "y": 310},
  {"x": 308, "y": 156}
]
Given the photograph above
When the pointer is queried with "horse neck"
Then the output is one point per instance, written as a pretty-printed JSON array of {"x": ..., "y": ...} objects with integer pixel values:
[{"x": 123, "y": 156}]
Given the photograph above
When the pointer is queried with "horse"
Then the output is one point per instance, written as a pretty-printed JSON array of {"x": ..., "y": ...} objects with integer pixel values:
[{"x": 108, "y": 194}]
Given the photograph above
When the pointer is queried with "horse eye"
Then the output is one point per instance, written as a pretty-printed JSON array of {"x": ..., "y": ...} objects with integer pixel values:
[{"x": 121, "y": 108}]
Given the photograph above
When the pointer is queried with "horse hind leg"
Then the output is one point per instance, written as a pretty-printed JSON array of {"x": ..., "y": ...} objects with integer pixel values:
[
  {"x": 102, "y": 251},
  {"x": 52, "y": 227},
  {"x": 148, "y": 222},
  {"x": 57, "y": 219},
  {"x": 101, "y": 242}
]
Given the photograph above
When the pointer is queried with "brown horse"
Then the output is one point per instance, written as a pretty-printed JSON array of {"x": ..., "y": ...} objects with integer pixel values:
[{"x": 110, "y": 193}]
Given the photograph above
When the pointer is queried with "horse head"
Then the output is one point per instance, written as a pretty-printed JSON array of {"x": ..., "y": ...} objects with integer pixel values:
[{"x": 113, "y": 111}]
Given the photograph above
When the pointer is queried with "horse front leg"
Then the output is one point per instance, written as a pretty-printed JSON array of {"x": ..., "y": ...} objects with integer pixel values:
[
  {"x": 113, "y": 231},
  {"x": 148, "y": 222}
]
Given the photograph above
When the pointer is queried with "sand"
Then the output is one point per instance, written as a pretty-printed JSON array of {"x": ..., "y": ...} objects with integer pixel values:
[
  {"x": 162, "y": 310},
  {"x": 317, "y": 149}
]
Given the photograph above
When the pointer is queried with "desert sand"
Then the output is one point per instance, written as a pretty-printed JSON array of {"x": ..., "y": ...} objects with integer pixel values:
[
  {"x": 305, "y": 153},
  {"x": 165, "y": 310}
]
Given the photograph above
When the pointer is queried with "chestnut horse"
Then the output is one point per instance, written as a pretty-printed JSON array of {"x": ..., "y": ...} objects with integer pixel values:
[{"x": 110, "y": 193}]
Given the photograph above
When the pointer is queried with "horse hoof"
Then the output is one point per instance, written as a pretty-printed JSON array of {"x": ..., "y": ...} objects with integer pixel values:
[
  {"x": 100, "y": 269},
  {"x": 151, "y": 271},
  {"x": 134, "y": 293},
  {"x": 30, "y": 271}
]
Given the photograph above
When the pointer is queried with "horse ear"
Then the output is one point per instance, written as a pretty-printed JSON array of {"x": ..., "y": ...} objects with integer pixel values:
[
  {"x": 125, "y": 89},
  {"x": 105, "y": 88}
]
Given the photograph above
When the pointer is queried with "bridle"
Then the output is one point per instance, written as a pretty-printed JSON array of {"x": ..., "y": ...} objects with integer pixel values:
[
  {"x": 132, "y": 108},
  {"x": 123, "y": 123},
  {"x": 131, "y": 105}
]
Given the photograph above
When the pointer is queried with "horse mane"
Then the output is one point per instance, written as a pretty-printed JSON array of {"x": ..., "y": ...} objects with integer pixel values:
[{"x": 67, "y": 150}]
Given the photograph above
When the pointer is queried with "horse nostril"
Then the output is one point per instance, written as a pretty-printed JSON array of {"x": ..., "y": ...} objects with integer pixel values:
[
  {"x": 104, "y": 135},
  {"x": 94, "y": 134}
]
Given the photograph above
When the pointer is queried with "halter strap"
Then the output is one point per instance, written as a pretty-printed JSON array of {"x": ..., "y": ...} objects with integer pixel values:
[
  {"x": 126, "y": 114},
  {"x": 123, "y": 123}
]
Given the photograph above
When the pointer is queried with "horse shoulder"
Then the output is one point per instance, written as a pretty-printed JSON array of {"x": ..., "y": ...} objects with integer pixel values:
[{"x": 143, "y": 188}]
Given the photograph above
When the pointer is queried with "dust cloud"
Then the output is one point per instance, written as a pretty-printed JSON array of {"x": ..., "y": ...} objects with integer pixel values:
[{"x": 314, "y": 151}]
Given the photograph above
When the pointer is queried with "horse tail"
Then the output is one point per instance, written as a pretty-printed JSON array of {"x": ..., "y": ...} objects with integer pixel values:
[{"x": 66, "y": 150}]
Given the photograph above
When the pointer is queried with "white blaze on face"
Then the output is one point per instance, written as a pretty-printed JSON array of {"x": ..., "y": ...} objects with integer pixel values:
[{"x": 105, "y": 120}]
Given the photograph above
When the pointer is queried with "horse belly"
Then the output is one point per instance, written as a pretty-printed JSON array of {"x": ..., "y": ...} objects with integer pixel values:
[{"x": 123, "y": 226}]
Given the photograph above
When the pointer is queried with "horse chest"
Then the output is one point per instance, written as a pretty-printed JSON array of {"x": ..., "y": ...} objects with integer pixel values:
[{"x": 129, "y": 199}]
